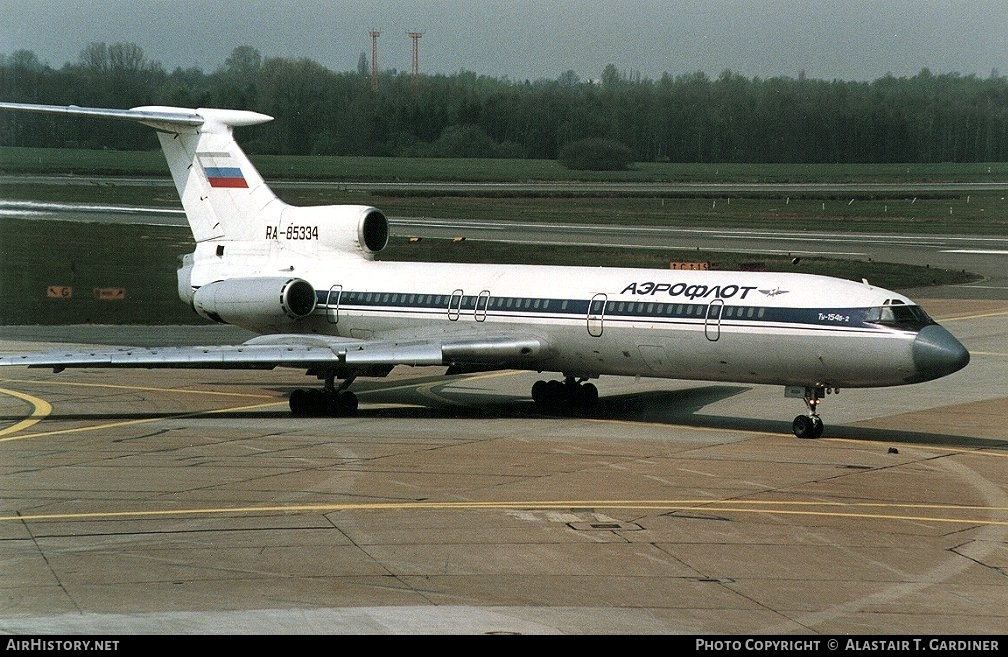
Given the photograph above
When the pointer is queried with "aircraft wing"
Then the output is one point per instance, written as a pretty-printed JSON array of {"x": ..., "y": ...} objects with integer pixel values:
[{"x": 301, "y": 351}]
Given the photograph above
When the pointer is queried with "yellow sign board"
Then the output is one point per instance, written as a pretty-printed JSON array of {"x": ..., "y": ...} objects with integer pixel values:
[{"x": 59, "y": 292}]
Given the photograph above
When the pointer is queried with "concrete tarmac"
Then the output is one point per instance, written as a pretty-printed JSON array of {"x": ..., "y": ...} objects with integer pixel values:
[{"x": 191, "y": 502}]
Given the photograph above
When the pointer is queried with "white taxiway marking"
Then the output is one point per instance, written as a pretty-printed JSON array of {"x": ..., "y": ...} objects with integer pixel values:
[{"x": 983, "y": 251}]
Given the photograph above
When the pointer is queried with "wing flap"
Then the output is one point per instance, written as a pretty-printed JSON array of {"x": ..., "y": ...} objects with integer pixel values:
[{"x": 394, "y": 353}]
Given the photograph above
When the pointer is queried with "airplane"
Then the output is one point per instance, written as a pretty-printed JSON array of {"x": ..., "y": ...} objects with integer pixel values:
[{"x": 306, "y": 281}]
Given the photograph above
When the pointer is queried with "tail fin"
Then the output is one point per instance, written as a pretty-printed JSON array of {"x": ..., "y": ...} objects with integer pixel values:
[{"x": 222, "y": 193}]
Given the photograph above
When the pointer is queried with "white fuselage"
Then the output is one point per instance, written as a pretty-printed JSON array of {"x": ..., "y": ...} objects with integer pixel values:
[{"x": 791, "y": 329}]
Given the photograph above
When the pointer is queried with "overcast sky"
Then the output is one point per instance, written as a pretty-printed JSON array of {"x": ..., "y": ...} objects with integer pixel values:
[{"x": 534, "y": 39}]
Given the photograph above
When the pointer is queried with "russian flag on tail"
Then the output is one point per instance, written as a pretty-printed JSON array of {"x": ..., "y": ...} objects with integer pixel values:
[
  {"x": 219, "y": 172},
  {"x": 225, "y": 176}
]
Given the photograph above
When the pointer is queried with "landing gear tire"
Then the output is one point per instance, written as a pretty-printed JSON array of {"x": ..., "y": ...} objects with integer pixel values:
[
  {"x": 299, "y": 402},
  {"x": 807, "y": 426},
  {"x": 539, "y": 393},
  {"x": 341, "y": 403}
]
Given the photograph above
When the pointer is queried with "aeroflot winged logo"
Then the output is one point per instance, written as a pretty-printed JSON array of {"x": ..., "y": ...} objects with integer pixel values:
[{"x": 219, "y": 170}]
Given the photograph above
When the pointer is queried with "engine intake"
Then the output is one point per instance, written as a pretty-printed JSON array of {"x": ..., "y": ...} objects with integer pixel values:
[
  {"x": 373, "y": 231},
  {"x": 255, "y": 301}
]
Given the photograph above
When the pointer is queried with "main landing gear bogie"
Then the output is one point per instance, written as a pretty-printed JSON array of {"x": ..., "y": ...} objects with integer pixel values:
[
  {"x": 569, "y": 394},
  {"x": 314, "y": 402},
  {"x": 330, "y": 400}
]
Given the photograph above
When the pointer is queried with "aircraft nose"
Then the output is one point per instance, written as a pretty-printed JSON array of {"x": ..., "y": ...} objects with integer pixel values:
[{"x": 937, "y": 353}]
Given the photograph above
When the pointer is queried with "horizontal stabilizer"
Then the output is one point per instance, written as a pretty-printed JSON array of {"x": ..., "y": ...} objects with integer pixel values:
[{"x": 154, "y": 116}]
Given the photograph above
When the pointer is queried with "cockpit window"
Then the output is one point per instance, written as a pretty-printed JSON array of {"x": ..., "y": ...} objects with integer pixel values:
[{"x": 899, "y": 315}]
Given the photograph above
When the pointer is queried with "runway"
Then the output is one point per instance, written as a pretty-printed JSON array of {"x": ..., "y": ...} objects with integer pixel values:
[
  {"x": 980, "y": 254},
  {"x": 181, "y": 502}
]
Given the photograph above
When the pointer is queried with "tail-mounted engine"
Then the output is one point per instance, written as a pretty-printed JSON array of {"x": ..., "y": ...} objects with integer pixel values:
[
  {"x": 357, "y": 229},
  {"x": 256, "y": 301}
]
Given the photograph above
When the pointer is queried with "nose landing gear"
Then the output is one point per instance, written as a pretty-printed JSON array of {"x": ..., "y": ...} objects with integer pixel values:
[{"x": 811, "y": 425}]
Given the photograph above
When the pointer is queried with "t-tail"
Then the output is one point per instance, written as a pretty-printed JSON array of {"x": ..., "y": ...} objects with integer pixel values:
[
  {"x": 221, "y": 192},
  {"x": 224, "y": 197}
]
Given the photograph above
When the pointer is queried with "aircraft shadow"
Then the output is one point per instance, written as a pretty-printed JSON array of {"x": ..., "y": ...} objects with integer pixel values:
[
  {"x": 659, "y": 407},
  {"x": 669, "y": 408}
]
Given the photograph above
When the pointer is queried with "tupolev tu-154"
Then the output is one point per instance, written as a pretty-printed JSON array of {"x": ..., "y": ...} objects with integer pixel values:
[{"x": 306, "y": 280}]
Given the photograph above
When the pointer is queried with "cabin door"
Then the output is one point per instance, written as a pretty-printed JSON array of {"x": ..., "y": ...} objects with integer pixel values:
[
  {"x": 712, "y": 324},
  {"x": 596, "y": 314},
  {"x": 332, "y": 303},
  {"x": 455, "y": 305},
  {"x": 482, "y": 301}
]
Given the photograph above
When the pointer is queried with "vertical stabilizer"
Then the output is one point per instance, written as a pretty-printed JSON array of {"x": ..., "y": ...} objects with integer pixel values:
[{"x": 223, "y": 195}]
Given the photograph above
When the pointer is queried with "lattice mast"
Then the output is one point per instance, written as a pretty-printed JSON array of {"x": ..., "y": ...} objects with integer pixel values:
[
  {"x": 416, "y": 58},
  {"x": 374, "y": 59}
]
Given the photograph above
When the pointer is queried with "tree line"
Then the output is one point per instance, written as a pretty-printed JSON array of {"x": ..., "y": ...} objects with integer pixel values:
[{"x": 685, "y": 118}]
